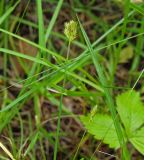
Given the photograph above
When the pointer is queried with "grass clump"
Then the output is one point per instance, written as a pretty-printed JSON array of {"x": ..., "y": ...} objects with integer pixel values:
[{"x": 62, "y": 81}]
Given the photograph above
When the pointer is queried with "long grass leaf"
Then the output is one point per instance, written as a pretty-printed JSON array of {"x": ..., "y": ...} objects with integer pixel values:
[
  {"x": 110, "y": 102},
  {"x": 8, "y": 12},
  {"x": 17, "y": 100},
  {"x": 54, "y": 17},
  {"x": 39, "y": 61}
]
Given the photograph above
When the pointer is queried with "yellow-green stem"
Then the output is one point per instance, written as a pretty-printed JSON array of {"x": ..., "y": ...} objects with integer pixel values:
[{"x": 60, "y": 107}]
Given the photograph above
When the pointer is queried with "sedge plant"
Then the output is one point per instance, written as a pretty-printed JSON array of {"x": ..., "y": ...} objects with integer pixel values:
[{"x": 70, "y": 32}]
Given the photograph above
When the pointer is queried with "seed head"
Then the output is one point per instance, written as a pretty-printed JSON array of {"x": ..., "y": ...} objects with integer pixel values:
[{"x": 70, "y": 30}]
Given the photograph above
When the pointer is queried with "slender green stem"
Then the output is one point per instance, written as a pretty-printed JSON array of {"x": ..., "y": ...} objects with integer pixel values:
[
  {"x": 60, "y": 108},
  {"x": 22, "y": 16},
  {"x": 5, "y": 58}
]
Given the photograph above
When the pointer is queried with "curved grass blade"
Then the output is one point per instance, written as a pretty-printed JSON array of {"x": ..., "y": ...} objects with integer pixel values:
[
  {"x": 39, "y": 61},
  {"x": 110, "y": 102},
  {"x": 33, "y": 44}
]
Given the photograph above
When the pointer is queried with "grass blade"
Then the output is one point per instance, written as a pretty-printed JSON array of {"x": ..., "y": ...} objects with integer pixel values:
[
  {"x": 16, "y": 101},
  {"x": 137, "y": 8},
  {"x": 54, "y": 17},
  {"x": 33, "y": 44},
  {"x": 32, "y": 143},
  {"x": 8, "y": 12},
  {"x": 110, "y": 102},
  {"x": 40, "y": 23},
  {"x": 6, "y": 151},
  {"x": 39, "y": 61}
]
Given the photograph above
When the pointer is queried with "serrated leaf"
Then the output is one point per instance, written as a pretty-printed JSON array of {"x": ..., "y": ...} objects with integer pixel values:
[
  {"x": 102, "y": 127},
  {"x": 138, "y": 140},
  {"x": 131, "y": 111}
]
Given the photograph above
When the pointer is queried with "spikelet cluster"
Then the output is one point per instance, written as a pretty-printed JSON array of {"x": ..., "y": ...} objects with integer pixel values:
[{"x": 70, "y": 30}]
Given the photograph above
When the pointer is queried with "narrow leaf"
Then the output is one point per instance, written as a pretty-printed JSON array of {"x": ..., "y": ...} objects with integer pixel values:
[
  {"x": 54, "y": 17},
  {"x": 8, "y": 12}
]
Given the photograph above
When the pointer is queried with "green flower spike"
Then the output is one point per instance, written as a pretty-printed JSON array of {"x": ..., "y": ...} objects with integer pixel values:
[{"x": 70, "y": 30}]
